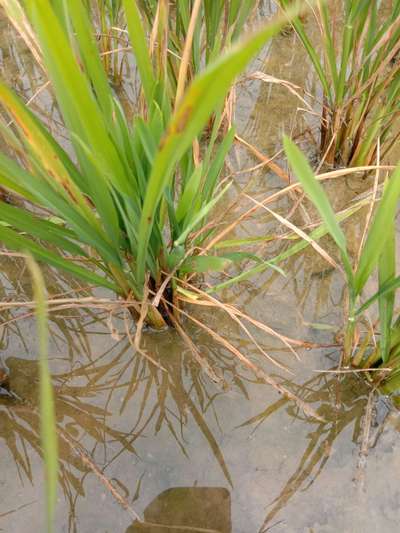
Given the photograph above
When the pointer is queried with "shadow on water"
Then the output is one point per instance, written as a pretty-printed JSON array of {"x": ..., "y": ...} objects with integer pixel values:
[{"x": 187, "y": 509}]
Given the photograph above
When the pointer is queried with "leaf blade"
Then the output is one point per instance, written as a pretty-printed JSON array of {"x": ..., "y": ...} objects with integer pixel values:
[{"x": 48, "y": 424}]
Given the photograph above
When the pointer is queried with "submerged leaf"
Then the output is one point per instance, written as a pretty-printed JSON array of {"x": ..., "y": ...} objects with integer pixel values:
[{"x": 205, "y": 263}]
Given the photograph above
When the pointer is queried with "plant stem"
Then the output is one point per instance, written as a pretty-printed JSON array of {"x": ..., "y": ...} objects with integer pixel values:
[
  {"x": 349, "y": 335},
  {"x": 155, "y": 319}
]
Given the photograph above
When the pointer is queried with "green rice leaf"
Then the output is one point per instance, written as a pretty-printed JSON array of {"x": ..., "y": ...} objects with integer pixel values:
[
  {"x": 317, "y": 195},
  {"x": 189, "y": 194},
  {"x": 378, "y": 232},
  {"x": 90, "y": 56},
  {"x": 12, "y": 176},
  {"x": 217, "y": 164},
  {"x": 230, "y": 243},
  {"x": 237, "y": 257},
  {"x": 387, "y": 288},
  {"x": 312, "y": 52},
  {"x": 140, "y": 47},
  {"x": 202, "y": 97},
  {"x": 18, "y": 242},
  {"x": 40, "y": 229},
  {"x": 387, "y": 272},
  {"x": 38, "y": 142},
  {"x": 73, "y": 90},
  {"x": 198, "y": 216},
  {"x": 316, "y": 234},
  {"x": 48, "y": 423}
]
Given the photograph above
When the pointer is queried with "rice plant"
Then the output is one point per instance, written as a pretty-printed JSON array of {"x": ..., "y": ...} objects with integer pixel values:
[
  {"x": 184, "y": 35},
  {"x": 121, "y": 207},
  {"x": 378, "y": 253},
  {"x": 358, "y": 69},
  {"x": 219, "y": 23}
]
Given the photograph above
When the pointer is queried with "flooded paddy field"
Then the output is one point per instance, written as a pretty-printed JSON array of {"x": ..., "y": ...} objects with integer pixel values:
[{"x": 153, "y": 444}]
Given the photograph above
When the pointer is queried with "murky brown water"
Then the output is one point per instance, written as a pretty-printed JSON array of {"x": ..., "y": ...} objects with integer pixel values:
[{"x": 181, "y": 450}]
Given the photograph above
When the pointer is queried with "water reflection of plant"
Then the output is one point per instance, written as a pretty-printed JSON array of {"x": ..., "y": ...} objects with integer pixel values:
[
  {"x": 167, "y": 391},
  {"x": 77, "y": 418},
  {"x": 71, "y": 401},
  {"x": 68, "y": 327},
  {"x": 171, "y": 399},
  {"x": 340, "y": 403}
]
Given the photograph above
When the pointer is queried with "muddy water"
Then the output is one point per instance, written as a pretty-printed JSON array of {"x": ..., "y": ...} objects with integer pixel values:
[{"x": 181, "y": 450}]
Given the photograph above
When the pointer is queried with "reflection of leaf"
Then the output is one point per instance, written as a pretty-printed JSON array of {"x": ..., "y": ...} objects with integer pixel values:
[
  {"x": 207, "y": 434},
  {"x": 19, "y": 423},
  {"x": 164, "y": 402},
  {"x": 11, "y": 430},
  {"x": 75, "y": 482},
  {"x": 317, "y": 452},
  {"x": 320, "y": 326}
]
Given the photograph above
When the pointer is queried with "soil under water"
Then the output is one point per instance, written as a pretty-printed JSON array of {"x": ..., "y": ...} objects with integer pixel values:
[{"x": 181, "y": 450}]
